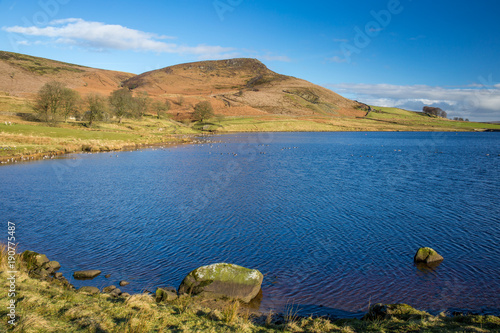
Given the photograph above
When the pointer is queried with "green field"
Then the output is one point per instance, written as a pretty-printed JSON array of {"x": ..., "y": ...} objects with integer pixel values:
[{"x": 384, "y": 119}]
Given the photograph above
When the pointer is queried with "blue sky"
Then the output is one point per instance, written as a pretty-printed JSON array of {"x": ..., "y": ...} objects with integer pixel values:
[{"x": 391, "y": 53}]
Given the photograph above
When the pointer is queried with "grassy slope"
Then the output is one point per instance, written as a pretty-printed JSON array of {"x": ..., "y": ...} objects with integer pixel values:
[
  {"x": 387, "y": 119},
  {"x": 46, "y": 307}
]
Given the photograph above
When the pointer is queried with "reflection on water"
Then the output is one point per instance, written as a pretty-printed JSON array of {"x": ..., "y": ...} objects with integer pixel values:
[{"x": 332, "y": 220}]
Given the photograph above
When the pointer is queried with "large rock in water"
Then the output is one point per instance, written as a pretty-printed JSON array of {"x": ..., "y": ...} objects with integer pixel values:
[
  {"x": 223, "y": 280},
  {"x": 428, "y": 256}
]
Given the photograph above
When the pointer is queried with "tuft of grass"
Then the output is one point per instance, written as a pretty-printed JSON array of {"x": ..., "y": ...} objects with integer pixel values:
[{"x": 230, "y": 312}]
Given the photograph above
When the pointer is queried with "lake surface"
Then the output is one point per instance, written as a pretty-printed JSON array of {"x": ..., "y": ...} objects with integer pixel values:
[{"x": 332, "y": 220}]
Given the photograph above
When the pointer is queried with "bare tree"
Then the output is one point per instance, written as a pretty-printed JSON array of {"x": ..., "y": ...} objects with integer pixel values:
[
  {"x": 70, "y": 101},
  {"x": 96, "y": 107},
  {"x": 203, "y": 110},
  {"x": 142, "y": 103},
  {"x": 48, "y": 103},
  {"x": 161, "y": 107},
  {"x": 122, "y": 102}
]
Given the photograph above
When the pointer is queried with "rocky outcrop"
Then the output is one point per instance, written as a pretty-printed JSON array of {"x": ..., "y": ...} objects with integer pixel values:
[
  {"x": 33, "y": 259},
  {"x": 223, "y": 280},
  {"x": 40, "y": 267},
  {"x": 427, "y": 255},
  {"x": 381, "y": 311}
]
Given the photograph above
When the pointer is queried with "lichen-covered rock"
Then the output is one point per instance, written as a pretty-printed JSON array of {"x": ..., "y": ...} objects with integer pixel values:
[
  {"x": 427, "y": 255},
  {"x": 381, "y": 311},
  {"x": 223, "y": 280},
  {"x": 165, "y": 295},
  {"x": 33, "y": 259},
  {"x": 85, "y": 275},
  {"x": 89, "y": 290}
]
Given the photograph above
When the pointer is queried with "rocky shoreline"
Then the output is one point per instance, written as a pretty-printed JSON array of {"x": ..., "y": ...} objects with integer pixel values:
[
  {"x": 210, "y": 298},
  {"x": 217, "y": 281}
]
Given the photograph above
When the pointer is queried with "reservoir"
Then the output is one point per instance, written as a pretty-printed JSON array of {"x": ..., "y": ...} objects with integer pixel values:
[{"x": 332, "y": 220}]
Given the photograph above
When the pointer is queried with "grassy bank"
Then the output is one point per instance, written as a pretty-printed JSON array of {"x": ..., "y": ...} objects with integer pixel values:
[
  {"x": 43, "y": 306},
  {"x": 23, "y": 138}
]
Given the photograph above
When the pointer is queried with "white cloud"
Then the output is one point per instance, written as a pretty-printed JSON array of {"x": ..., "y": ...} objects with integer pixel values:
[
  {"x": 481, "y": 103},
  {"x": 101, "y": 36}
]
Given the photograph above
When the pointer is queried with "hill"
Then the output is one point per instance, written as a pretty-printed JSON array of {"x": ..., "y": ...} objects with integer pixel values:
[
  {"x": 244, "y": 87},
  {"x": 23, "y": 75},
  {"x": 235, "y": 87}
]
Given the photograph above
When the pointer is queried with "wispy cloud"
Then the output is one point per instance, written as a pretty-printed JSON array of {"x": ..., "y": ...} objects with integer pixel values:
[
  {"x": 270, "y": 57},
  {"x": 337, "y": 59},
  {"x": 481, "y": 102},
  {"x": 101, "y": 36}
]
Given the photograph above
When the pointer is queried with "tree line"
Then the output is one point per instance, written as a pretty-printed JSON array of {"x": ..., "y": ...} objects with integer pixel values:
[{"x": 55, "y": 102}]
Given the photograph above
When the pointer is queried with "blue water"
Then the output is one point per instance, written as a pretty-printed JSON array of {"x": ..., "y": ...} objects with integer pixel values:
[{"x": 331, "y": 219}]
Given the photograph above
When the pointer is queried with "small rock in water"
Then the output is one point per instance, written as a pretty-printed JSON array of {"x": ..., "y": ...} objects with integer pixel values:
[
  {"x": 88, "y": 274},
  {"x": 107, "y": 276},
  {"x": 123, "y": 283},
  {"x": 427, "y": 255}
]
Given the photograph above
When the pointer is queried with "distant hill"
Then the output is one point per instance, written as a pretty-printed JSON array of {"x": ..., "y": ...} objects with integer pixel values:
[
  {"x": 236, "y": 87},
  {"x": 24, "y": 75}
]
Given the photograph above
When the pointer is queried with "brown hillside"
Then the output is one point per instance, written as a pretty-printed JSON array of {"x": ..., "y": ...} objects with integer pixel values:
[
  {"x": 243, "y": 87},
  {"x": 23, "y": 75},
  {"x": 236, "y": 87}
]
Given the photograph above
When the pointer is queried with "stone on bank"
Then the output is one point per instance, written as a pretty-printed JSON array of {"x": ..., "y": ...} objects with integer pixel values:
[{"x": 223, "y": 280}]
